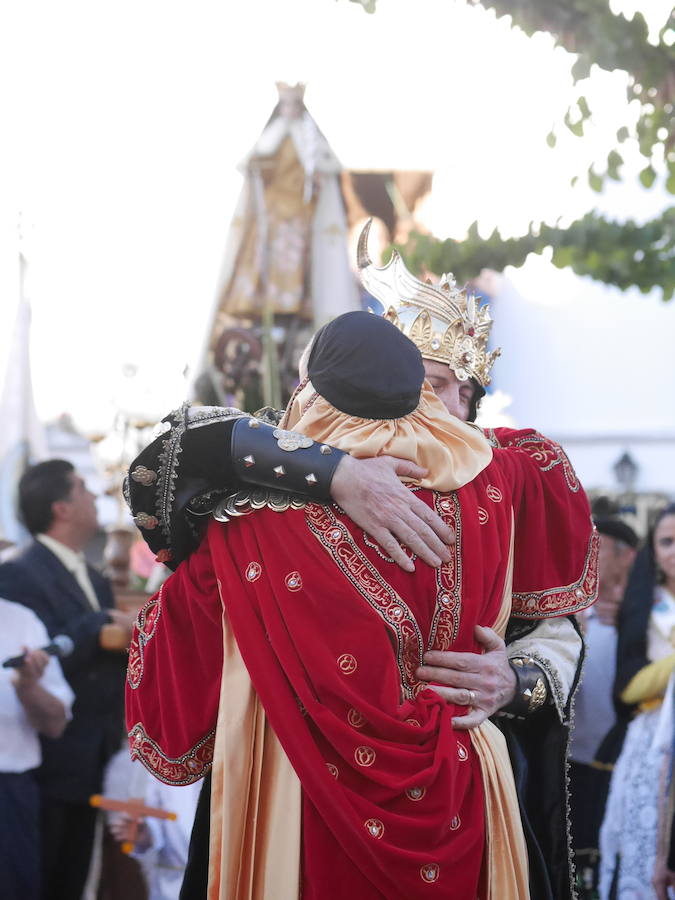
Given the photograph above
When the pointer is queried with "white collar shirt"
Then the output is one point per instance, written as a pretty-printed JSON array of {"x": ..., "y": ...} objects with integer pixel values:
[
  {"x": 75, "y": 563},
  {"x": 19, "y": 741}
]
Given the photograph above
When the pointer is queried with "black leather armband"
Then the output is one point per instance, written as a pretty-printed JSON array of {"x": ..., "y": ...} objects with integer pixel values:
[
  {"x": 283, "y": 460},
  {"x": 531, "y": 688}
]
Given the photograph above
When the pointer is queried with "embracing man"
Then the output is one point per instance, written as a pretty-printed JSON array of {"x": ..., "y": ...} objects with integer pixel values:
[{"x": 206, "y": 453}]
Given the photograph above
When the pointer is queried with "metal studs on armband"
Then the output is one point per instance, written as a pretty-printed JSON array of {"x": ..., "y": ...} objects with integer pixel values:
[
  {"x": 531, "y": 688},
  {"x": 283, "y": 460}
]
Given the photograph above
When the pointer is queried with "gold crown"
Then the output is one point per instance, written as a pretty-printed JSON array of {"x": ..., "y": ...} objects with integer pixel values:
[{"x": 445, "y": 323}]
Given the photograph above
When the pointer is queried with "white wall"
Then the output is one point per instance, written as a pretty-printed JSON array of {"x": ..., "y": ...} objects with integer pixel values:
[{"x": 592, "y": 367}]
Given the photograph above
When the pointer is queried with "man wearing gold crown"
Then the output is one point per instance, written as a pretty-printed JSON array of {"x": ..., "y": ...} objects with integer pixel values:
[{"x": 183, "y": 475}]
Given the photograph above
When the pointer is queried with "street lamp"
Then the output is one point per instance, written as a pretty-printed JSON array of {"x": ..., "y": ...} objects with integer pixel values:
[{"x": 625, "y": 472}]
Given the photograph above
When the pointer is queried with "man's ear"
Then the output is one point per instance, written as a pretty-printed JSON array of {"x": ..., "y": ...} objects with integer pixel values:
[{"x": 61, "y": 511}]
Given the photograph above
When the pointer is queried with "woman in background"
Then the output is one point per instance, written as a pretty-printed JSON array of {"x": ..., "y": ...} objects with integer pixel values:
[{"x": 646, "y": 659}]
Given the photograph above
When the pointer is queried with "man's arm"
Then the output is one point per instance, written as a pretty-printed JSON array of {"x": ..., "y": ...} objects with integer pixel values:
[
  {"x": 554, "y": 647},
  {"x": 502, "y": 673},
  {"x": 197, "y": 457},
  {"x": 482, "y": 682},
  {"x": 372, "y": 495},
  {"x": 369, "y": 490},
  {"x": 543, "y": 666},
  {"x": 46, "y": 713}
]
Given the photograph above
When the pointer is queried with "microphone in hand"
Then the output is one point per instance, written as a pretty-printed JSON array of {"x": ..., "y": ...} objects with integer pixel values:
[{"x": 61, "y": 645}]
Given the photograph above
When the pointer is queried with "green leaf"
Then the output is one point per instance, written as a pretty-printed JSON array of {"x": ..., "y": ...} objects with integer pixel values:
[
  {"x": 581, "y": 68},
  {"x": 620, "y": 252},
  {"x": 647, "y": 176},
  {"x": 562, "y": 257},
  {"x": 577, "y": 128},
  {"x": 604, "y": 249},
  {"x": 614, "y": 163},
  {"x": 582, "y": 103},
  {"x": 594, "y": 180}
]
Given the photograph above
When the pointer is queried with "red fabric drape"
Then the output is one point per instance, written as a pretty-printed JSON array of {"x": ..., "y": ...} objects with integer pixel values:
[
  {"x": 556, "y": 549},
  {"x": 393, "y": 796},
  {"x": 173, "y": 674},
  {"x": 331, "y": 633}
]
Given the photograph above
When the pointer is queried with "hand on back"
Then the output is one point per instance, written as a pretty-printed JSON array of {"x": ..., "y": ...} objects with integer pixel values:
[{"x": 372, "y": 495}]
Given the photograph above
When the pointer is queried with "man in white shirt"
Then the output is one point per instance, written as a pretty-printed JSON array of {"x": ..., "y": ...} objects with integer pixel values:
[
  {"x": 34, "y": 699},
  {"x": 51, "y": 577}
]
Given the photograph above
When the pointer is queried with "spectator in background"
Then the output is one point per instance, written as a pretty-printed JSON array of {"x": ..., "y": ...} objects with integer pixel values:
[
  {"x": 664, "y": 874},
  {"x": 161, "y": 845},
  {"x": 595, "y": 715},
  {"x": 34, "y": 699},
  {"x": 645, "y": 662},
  {"x": 51, "y": 577}
]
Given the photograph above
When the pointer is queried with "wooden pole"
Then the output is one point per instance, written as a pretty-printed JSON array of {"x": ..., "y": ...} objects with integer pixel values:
[{"x": 136, "y": 809}]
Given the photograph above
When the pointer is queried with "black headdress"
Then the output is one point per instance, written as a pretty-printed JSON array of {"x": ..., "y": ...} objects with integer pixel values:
[{"x": 364, "y": 366}]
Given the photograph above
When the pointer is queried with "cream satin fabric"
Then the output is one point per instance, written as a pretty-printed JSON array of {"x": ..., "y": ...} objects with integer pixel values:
[
  {"x": 256, "y": 827},
  {"x": 256, "y": 822},
  {"x": 452, "y": 451},
  {"x": 506, "y": 851}
]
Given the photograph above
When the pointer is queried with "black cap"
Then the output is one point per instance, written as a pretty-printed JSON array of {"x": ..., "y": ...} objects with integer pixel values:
[
  {"x": 618, "y": 530},
  {"x": 364, "y": 366}
]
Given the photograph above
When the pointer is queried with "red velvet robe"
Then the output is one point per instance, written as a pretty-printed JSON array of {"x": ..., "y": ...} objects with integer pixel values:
[{"x": 331, "y": 632}]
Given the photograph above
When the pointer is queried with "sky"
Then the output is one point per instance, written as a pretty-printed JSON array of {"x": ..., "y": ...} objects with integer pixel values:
[{"x": 129, "y": 120}]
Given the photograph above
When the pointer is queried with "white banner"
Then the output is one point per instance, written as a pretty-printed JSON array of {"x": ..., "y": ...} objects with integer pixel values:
[{"x": 22, "y": 437}]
